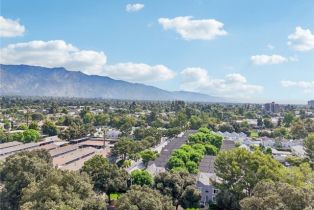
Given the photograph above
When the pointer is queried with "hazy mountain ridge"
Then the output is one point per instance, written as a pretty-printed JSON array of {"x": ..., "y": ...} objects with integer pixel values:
[{"x": 27, "y": 80}]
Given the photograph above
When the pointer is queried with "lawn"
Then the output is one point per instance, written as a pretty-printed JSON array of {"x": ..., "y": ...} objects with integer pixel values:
[
  {"x": 114, "y": 196},
  {"x": 254, "y": 134}
]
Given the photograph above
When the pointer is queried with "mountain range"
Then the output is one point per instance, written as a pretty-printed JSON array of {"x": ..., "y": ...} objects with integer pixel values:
[{"x": 25, "y": 80}]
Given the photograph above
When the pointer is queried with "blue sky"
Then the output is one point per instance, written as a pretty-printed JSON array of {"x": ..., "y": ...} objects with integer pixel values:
[{"x": 254, "y": 51}]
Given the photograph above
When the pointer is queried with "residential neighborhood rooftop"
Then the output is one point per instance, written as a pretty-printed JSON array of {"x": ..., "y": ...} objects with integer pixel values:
[
  {"x": 62, "y": 150},
  {"x": 9, "y": 144},
  {"x": 17, "y": 148},
  {"x": 73, "y": 156}
]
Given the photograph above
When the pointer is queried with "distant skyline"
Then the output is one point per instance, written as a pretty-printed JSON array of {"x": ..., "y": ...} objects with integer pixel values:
[{"x": 252, "y": 51}]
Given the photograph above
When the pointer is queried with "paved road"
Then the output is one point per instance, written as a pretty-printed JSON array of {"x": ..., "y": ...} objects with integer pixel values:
[
  {"x": 182, "y": 137},
  {"x": 173, "y": 144},
  {"x": 139, "y": 164}
]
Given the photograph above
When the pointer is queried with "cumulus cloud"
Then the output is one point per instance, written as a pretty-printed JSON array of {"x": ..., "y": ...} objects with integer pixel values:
[
  {"x": 53, "y": 53},
  {"x": 271, "y": 59},
  {"x": 301, "y": 39},
  {"x": 143, "y": 72},
  {"x": 58, "y": 53},
  {"x": 306, "y": 86},
  {"x": 194, "y": 29},
  {"x": 232, "y": 85},
  {"x": 10, "y": 28},
  {"x": 134, "y": 7}
]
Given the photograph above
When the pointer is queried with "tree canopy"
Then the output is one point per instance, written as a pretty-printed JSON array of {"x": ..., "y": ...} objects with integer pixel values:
[
  {"x": 278, "y": 196},
  {"x": 61, "y": 189},
  {"x": 145, "y": 198},
  {"x": 180, "y": 186},
  {"x": 240, "y": 170},
  {"x": 141, "y": 177},
  {"x": 106, "y": 177},
  {"x": 309, "y": 147}
]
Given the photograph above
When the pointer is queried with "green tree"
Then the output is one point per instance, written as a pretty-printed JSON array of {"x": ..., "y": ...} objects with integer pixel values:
[
  {"x": 175, "y": 162},
  {"x": 299, "y": 176},
  {"x": 260, "y": 122},
  {"x": 101, "y": 119},
  {"x": 268, "y": 123},
  {"x": 30, "y": 135},
  {"x": 34, "y": 126},
  {"x": 190, "y": 198},
  {"x": 280, "y": 132},
  {"x": 309, "y": 147},
  {"x": 211, "y": 149},
  {"x": 16, "y": 136},
  {"x": 240, "y": 170},
  {"x": 49, "y": 128},
  {"x": 65, "y": 189},
  {"x": 192, "y": 167},
  {"x": 148, "y": 155},
  {"x": 298, "y": 130},
  {"x": 309, "y": 125},
  {"x": 88, "y": 118},
  {"x": 196, "y": 122},
  {"x": 22, "y": 127},
  {"x": 178, "y": 186},
  {"x": 19, "y": 171},
  {"x": 278, "y": 196},
  {"x": 37, "y": 116},
  {"x": 226, "y": 127},
  {"x": 141, "y": 177},
  {"x": 123, "y": 148},
  {"x": 206, "y": 137},
  {"x": 288, "y": 119},
  {"x": 295, "y": 161},
  {"x": 106, "y": 177},
  {"x": 143, "y": 197}
]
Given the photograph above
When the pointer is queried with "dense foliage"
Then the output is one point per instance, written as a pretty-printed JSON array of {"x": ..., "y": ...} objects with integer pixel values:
[
  {"x": 141, "y": 177},
  {"x": 30, "y": 182},
  {"x": 180, "y": 186},
  {"x": 143, "y": 198},
  {"x": 107, "y": 178},
  {"x": 188, "y": 156}
]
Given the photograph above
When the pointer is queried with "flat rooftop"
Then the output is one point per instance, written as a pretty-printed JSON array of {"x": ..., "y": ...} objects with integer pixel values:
[
  {"x": 75, "y": 141},
  {"x": 48, "y": 146},
  {"x": 9, "y": 144},
  {"x": 49, "y": 139},
  {"x": 62, "y": 150},
  {"x": 73, "y": 156},
  {"x": 20, "y": 147},
  {"x": 77, "y": 165},
  {"x": 92, "y": 143}
]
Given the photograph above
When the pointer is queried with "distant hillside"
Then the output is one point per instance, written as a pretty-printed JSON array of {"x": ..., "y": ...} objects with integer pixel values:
[{"x": 26, "y": 80}]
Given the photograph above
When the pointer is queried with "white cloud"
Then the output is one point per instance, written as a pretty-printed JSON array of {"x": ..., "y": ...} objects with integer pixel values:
[
  {"x": 138, "y": 72},
  {"x": 58, "y": 53},
  {"x": 134, "y": 7},
  {"x": 306, "y": 86},
  {"x": 233, "y": 85},
  {"x": 10, "y": 28},
  {"x": 192, "y": 29},
  {"x": 271, "y": 59},
  {"x": 301, "y": 39},
  {"x": 53, "y": 53}
]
